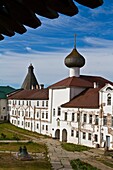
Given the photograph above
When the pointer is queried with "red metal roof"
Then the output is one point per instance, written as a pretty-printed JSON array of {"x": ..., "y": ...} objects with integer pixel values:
[
  {"x": 82, "y": 81},
  {"x": 36, "y": 94},
  {"x": 87, "y": 99}
]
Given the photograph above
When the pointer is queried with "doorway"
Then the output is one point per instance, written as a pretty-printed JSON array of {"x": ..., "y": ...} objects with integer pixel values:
[{"x": 64, "y": 135}]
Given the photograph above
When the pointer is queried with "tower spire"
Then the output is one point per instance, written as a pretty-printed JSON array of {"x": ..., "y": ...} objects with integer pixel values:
[{"x": 75, "y": 41}]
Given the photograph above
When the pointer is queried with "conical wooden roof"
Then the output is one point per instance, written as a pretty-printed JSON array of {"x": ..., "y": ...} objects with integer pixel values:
[{"x": 30, "y": 81}]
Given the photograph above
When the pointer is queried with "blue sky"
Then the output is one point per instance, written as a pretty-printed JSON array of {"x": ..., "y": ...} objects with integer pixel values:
[{"x": 47, "y": 46}]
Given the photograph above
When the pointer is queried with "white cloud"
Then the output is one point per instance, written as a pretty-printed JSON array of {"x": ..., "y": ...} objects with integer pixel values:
[{"x": 49, "y": 66}]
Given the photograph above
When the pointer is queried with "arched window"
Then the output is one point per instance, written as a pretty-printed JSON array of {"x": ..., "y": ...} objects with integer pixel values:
[{"x": 109, "y": 99}]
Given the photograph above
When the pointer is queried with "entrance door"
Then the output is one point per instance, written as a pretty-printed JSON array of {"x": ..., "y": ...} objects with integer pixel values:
[
  {"x": 64, "y": 135},
  {"x": 57, "y": 134},
  {"x": 107, "y": 141}
]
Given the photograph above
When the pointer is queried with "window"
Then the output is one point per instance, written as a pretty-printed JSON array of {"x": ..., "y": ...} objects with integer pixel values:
[
  {"x": 109, "y": 99},
  {"x": 77, "y": 134},
  {"x": 18, "y": 122},
  {"x": 84, "y": 118},
  {"x": 102, "y": 136},
  {"x": 18, "y": 113},
  {"x": 19, "y": 102},
  {"x": 96, "y": 119},
  {"x": 72, "y": 132},
  {"x": 53, "y": 112},
  {"x": 23, "y": 102},
  {"x": 42, "y": 127},
  {"x": 84, "y": 135},
  {"x": 13, "y": 102},
  {"x": 27, "y": 103},
  {"x": 90, "y": 119},
  {"x": 46, "y": 103},
  {"x": 73, "y": 117},
  {"x": 29, "y": 114},
  {"x": 89, "y": 136},
  {"x": 78, "y": 117},
  {"x": 22, "y": 113},
  {"x": 42, "y": 103},
  {"x": 59, "y": 111},
  {"x": 65, "y": 116},
  {"x": 28, "y": 124},
  {"x": 42, "y": 114},
  {"x": 46, "y": 127},
  {"x": 37, "y": 114},
  {"x": 26, "y": 113},
  {"x": 104, "y": 120},
  {"x": 37, "y": 103},
  {"x": 112, "y": 121},
  {"x": 46, "y": 115},
  {"x": 37, "y": 126},
  {"x": 96, "y": 138},
  {"x": 58, "y": 122},
  {"x": 22, "y": 123},
  {"x": 12, "y": 112},
  {"x": 9, "y": 108}
]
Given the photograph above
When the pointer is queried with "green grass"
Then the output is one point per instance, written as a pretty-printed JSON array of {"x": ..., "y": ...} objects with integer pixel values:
[
  {"x": 12, "y": 132},
  {"x": 73, "y": 147},
  {"x": 31, "y": 147},
  {"x": 8, "y": 161},
  {"x": 80, "y": 165}
]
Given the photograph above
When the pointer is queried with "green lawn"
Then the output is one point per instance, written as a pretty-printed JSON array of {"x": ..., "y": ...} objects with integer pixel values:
[
  {"x": 31, "y": 147},
  {"x": 11, "y": 132},
  {"x": 9, "y": 162},
  {"x": 73, "y": 147},
  {"x": 80, "y": 165}
]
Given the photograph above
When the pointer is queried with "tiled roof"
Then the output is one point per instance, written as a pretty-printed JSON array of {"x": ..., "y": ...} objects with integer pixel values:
[
  {"x": 36, "y": 94},
  {"x": 87, "y": 99},
  {"x": 82, "y": 81}
]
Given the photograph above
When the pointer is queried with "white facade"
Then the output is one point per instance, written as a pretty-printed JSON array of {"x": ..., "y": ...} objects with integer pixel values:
[
  {"x": 85, "y": 126},
  {"x": 31, "y": 115}
]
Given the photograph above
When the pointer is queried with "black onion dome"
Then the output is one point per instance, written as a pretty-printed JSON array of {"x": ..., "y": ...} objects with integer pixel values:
[{"x": 74, "y": 59}]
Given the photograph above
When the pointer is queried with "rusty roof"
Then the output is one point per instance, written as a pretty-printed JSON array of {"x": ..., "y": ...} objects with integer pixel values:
[
  {"x": 16, "y": 14},
  {"x": 36, "y": 94},
  {"x": 82, "y": 81},
  {"x": 87, "y": 99}
]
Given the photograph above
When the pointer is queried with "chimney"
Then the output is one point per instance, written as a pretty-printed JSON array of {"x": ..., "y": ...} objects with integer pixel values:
[
  {"x": 95, "y": 84},
  {"x": 41, "y": 86}
]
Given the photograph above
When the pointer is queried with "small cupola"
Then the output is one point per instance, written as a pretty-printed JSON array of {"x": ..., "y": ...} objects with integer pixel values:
[{"x": 74, "y": 61}]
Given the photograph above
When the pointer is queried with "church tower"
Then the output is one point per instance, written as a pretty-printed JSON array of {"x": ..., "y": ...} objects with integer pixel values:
[
  {"x": 30, "y": 81},
  {"x": 74, "y": 61}
]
